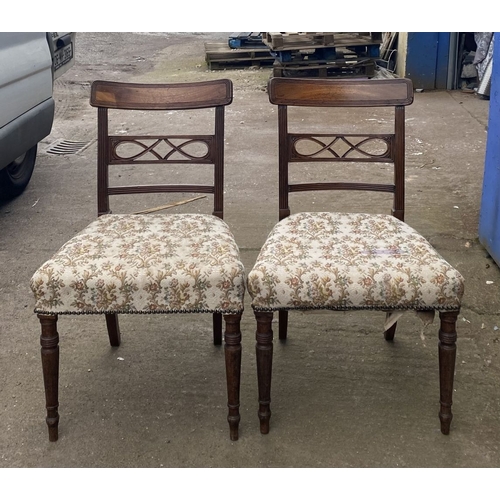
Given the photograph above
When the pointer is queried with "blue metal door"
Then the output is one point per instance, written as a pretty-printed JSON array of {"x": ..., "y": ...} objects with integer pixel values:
[{"x": 489, "y": 218}]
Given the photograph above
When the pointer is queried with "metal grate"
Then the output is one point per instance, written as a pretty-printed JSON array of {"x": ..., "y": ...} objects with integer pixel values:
[{"x": 65, "y": 147}]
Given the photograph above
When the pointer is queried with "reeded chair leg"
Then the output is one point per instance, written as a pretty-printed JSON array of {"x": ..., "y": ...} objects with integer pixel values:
[
  {"x": 232, "y": 351},
  {"x": 264, "y": 350},
  {"x": 113, "y": 329},
  {"x": 217, "y": 325},
  {"x": 447, "y": 355},
  {"x": 49, "y": 340},
  {"x": 282, "y": 324}
]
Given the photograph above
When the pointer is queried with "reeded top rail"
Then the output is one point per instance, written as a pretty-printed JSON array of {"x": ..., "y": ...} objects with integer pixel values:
[
  {"x": 357, "y": 93},
  {"x": 172, "y": 96}
]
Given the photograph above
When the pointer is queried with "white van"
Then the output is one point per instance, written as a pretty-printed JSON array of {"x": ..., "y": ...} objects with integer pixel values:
[{"x": 29, "y": 64}]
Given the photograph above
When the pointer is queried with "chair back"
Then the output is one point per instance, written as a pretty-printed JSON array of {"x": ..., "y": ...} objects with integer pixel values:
[
  {"x": 150, "y": 149},
  {"x": 395, "y": 93}
]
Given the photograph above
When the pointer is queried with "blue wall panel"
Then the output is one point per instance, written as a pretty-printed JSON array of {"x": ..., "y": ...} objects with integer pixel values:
[
  {"x": 427, "y": 59},
  {"x": 489, "y": 218},
  {"x": 442, "y": 60}
]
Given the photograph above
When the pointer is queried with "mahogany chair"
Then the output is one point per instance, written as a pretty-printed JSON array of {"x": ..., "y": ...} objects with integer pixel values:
[
  {"x": 155, "y": 262},
  {"x": 347, "y": 261}
]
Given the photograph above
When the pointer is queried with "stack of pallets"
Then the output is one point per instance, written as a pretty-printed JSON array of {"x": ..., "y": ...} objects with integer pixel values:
[
  {"x": 332, "y": 54},
  {"x": 300, "y": 54},
  {"x": 242, "y": 50}
]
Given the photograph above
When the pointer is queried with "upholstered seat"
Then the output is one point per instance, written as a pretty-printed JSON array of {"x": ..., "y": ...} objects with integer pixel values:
[
  {"x": 345, "y": 261},
  {"x": 144, "y": 264}
]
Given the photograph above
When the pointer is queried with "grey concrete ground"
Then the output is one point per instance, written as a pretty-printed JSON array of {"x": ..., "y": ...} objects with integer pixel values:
[{"x": 342, "y": 396}]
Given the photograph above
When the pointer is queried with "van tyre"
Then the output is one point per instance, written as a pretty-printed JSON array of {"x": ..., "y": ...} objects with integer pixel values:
[{"x": 15, "y": 177}]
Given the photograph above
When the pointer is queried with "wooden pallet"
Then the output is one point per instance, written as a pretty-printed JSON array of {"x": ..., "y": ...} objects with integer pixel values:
[
  {"x": 375, "y": 37},
  {"x": 360, "y": 45},
  {"x": 245, "y": 40},
  {"x": 307, "y": 40},
  {"x": 283, "y": 41},
  {"x": 220, "y": 56},
  {"x": 327, "y": 53},
  {"x": 327, "y": 69},
  {"x": 357, "y": 39},
  {"x": 290, "y": 42}
]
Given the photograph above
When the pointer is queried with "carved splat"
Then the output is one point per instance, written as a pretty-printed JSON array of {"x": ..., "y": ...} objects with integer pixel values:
[
  {"x": 341, "y": 147},
  {"x": 160, "y": 149}
]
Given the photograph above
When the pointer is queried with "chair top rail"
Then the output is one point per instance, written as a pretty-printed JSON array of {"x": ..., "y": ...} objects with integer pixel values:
[
  {"x": 342, "y": 93},
  {"x": 168, "y": 96}
]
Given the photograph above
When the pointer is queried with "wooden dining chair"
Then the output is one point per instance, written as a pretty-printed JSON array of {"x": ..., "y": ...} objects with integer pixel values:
[
  {"x": 347, "y": 261},
  {"x": 137, "y": 263}
]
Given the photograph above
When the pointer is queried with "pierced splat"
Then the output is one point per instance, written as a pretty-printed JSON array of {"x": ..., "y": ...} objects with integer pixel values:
[
  {"x": 376, "y": 147},
  {"x": 161, "y": 149}
]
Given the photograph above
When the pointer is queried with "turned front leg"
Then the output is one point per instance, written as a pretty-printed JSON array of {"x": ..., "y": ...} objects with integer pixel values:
[
  {"x": 447, "y": 354},
  {"x": 264, "y": 350},
  {"x": 232, "y": 351},
  {"x": 49, "y": 341}
]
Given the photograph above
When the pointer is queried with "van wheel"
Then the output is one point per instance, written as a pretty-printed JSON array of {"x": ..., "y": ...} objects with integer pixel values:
[{"x": 15, "y": 177}]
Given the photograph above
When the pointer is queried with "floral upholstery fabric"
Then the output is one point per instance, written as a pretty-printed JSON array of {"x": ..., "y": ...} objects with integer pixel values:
[
  {"x": 144, "y": 264},
  {"x": 351, "y": 261}
]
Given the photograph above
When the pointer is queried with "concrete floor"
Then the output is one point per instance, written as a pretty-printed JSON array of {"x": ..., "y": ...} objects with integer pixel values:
[{"x": 341, "y": 396}]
